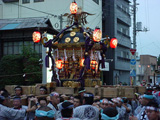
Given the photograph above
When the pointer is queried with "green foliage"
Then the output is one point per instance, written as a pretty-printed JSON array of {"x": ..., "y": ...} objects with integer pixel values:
[
  {"x": 13, "y": 67},
  {"x": 11, "y": 70}
]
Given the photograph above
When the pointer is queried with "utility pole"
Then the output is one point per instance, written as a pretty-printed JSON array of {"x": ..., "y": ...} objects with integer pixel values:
[
  {"x": 134, "y": 25},
  {"x": 135, "y": 30},
  {"x": 134, "y": 39}
]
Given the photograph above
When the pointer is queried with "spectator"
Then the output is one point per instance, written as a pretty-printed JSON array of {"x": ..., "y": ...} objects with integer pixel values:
[
  {"x": 157, "y": 94},
  {"x": 135, "y": 102},
  {"x": 43, "y": 90},
  {"x": 54, "y": 101},
  {"x": 138, "y": 109},
  {"x": 87, "y": 111},
  {"x": 148, "y": 97},
  {"x": 110, "y": 113},
  {"x": 17, "y": 104},
  {"x": 42, "y": 101},
  {"x": 44, "y": 113},
  {"x": 18, "y": 91},
  {"x": 81, "y": 91},
  {"x": 32, "y": 106},
  {"x": 128, "y": 108},
  {"x": 67, "y": 111},
  {"x": 3, "y": 90},
  {"x": 121, "y": 109},
  {"x": 77, "y": 101},
  {"x": 9, "y": 113},
  {"x": 104, "y": 103},
  {"x": 152, "y": 111}
]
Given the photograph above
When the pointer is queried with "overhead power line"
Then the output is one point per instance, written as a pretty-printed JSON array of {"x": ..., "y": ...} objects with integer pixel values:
[
  {"x": 36, "y": 10},
  {"x": 21, "y": 74}
]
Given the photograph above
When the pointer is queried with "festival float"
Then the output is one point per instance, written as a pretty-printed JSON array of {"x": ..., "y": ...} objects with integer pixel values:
[{"x": 76, "y": 53}]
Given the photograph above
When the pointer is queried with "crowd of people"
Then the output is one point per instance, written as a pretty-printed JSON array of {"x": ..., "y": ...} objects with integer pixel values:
[{"x": 84, "y": 106}]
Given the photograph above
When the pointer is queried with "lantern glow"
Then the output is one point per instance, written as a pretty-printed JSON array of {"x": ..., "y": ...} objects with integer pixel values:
[
  {"x": 36, "y": 36},
  {"x": 113, "y": 43},
  {"x": 97, "y": 35},
  {"x": 82, "y": 62},
  {"x": 93, "y": 64},
  {"x": 73, "y": 8},
  {"x": 59, "y": 64}
]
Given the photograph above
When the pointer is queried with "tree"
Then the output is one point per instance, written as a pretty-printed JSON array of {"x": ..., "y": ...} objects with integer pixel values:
[
  {"x": 11, "y": 67},
  {"x": 32, "y": 69},
  {"x": 23, "y": 69},
  {"x": 158, "y": 62}
]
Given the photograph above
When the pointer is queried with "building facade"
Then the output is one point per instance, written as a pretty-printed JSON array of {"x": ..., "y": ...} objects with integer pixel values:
[
  {"x": 146, "y": 69},
  {"x": 17, "y": 33},
  {"x": 52, "y": 9},
  {"x": 116, "y": 23}
]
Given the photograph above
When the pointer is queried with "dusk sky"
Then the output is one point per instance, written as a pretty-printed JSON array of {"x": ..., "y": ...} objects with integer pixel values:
[{"x": 148, "y": 12}]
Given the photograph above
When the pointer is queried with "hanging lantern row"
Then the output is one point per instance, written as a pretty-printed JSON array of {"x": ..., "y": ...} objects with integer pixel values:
[
  {"x": 97, "y": 35},
  {"x": 36, "y": 36},
  {"x": 60, "y": 64},
  {"x": 73, "y": 8}
]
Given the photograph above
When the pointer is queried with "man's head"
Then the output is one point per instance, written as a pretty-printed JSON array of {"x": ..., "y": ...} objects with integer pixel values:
[
  {"x": 43, "y": 90},
  {"x": 81, "y": 91},
  {"x": 44, "y": 113},
  {"x": 120, "y": 101},
  {"x": 152, "y": 111},
  {"x": 17, "y": 102},
  {"x": 115, "y": 102},
  {"x": 88, "y": 98},
  {"x": 109, "y": 113},
  {"x": 42, "y": 101},
  {"x": 104, "y": 103},
  {"x": 4, "y": 99},
  {"x": 66, "y": 109},
  {"x": 18, "y": 91},
  {"x": 140, "y": 99},
  {"x": 55, "y": 98},
  {"x": 146, "y": 99},
  {"x": 3, "y": 90},
  {"x": 77, "y": 101}
]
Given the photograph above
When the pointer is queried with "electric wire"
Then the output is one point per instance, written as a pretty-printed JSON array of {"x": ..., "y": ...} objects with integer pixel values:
[{"x": 21, "y": 74}]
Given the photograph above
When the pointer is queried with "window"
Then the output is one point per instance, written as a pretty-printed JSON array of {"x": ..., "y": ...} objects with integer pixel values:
[
  {"x": 25, "y": 1},
  {"x": 38, "y": 0},
  {"x": 11, "y": 48},
  {"x": 96, "y": 1},
  {"x": 153, "y": 67}
]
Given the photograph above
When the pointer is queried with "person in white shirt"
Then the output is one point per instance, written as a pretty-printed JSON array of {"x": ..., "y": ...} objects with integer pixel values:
[
  {"x": 87, "y": 111},
  {"x": 7, "y": 113},
  {"x": 66, "y": 109},
  {"x": 54, "y": 101}
]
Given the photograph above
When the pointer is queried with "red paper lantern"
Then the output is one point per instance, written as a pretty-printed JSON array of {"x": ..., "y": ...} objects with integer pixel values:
[
  {"x": 93, "y": 64},
  {"x": 36, "y": 36},
  {"x": 82, "y": 62},
  {"x": 97, "y": 35},
  {"x": 73, "y": 8},
  {"x": 113, "y": 43},
  {"x": 59, "y": 64}
]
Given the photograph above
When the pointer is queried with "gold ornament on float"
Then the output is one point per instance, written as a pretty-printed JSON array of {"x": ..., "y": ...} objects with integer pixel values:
[
  {"x": 72, "y": 34},
  {"x": 76, "y": 39},
  {"x": 68, "y": 39}
]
